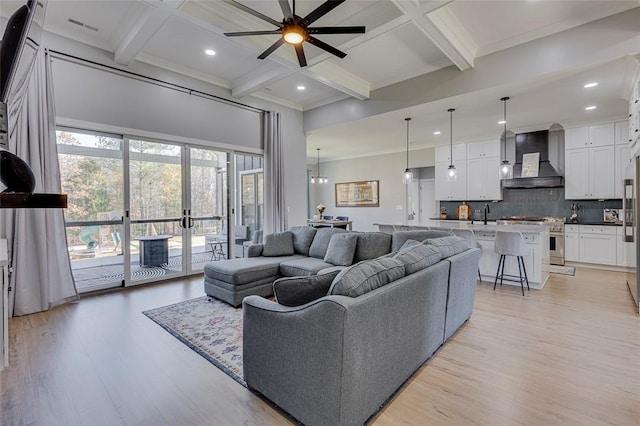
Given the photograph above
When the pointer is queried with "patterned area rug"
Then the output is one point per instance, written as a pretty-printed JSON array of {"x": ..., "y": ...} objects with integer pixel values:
[
  {"x": 210, "y": 327},
  {"x": 563, "y": 270}
]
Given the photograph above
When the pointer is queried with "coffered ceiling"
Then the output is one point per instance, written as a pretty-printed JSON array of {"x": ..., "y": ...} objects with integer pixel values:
[{"x": 404, "y": 39}]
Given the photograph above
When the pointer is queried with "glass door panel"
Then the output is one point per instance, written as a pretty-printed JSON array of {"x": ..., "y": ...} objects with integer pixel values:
[
  {"x": 251, "y": 187},
  {"x": 156, "y": 213},
  {"x": 92, "y": 174},
  {"x": 208, "y": 207}
]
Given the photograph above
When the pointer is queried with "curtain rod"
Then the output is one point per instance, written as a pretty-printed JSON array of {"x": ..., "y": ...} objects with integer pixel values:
[{"x": 158, "y": 81}]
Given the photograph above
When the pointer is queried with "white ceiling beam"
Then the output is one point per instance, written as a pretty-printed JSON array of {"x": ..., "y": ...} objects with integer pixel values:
[
  {"x": 340, "y": 79},
  {"x": 143, "y": 29},
  {"x": 260, "y": 77},
  {"x": 443, "y": 28}
]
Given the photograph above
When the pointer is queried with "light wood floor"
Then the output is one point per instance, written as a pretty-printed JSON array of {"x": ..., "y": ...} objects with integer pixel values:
[{"x": 567, "y": 354}]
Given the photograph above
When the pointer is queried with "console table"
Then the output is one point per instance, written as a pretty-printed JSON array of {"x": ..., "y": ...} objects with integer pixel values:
[
  {"x": 332, "y": 223},
  {"x": 154, "y": 250}
]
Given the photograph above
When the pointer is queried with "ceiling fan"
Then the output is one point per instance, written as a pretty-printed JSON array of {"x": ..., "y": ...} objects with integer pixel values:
[{"x": 294, "y": 29}]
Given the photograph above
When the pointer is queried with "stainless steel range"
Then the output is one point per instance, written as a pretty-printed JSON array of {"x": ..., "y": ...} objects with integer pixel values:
[{"x": 556, "y": 233}]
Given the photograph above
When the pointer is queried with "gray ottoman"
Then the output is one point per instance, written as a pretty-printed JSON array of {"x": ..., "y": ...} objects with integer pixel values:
[{"x": 234, "y": 279}]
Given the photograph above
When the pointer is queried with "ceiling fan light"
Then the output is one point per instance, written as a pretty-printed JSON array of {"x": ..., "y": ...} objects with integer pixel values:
[{"x": 293, "y": 35}]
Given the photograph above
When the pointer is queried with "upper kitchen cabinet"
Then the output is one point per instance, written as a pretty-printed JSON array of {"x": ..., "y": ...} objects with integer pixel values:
[
  {"x": 443, "y": 153},
  {"x": 622, "y": 133},
  {"x": 483, "y": 149},
  {"x": 590, "y": 173},
  {"x": 598, "y": 135}
]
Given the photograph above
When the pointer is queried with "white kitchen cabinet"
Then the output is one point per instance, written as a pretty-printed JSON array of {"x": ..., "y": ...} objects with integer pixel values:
[
  {"x": 451, "y": 191},
  {"x": 443, "y": 153},
  {"x": 483, "y": 180},
  {"x": 590, "y": 173},
  {"x": 622, "y": 133},
  {"x": 622, "y": 159},
  {"x": 483, "y": 149},
  {"x": 598, "y": 245},
  {"x": 598, "y": 135},
  {"x": 572, "y": 243}
]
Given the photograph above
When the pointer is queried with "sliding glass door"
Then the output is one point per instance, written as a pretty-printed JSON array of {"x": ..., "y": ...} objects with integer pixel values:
[
  {"x": 143, "y": 210},
  {"x": 92, "y": 174}
]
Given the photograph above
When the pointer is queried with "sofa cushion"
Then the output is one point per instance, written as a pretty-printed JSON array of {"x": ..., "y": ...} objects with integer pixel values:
[
  {"x": 366, "y": 276},
  {"x": 321, "y": 241},
  {"x": 448, "y": 246},
  {"x": 243, "y": 271},
  {"x": 278, "y": 244},
  {"x": 372, "y": 245},
  {"x": 302, "y": 239},
  {"x": 341, "y": 249},
  {"x": 296, "y": 291},
  {"x": 416, "y": 256},
  {"x": 303, "y": 266},
  {"x": 400, "y": 237}
]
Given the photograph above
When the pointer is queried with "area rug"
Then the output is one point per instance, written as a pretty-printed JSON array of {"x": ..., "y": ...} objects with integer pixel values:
[
  {"x": 563, "y": 270},
  {"x": 211, "y": 328}
]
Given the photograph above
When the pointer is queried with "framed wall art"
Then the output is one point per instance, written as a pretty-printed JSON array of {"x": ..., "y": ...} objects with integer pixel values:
[{"x": 357, "y": 194}]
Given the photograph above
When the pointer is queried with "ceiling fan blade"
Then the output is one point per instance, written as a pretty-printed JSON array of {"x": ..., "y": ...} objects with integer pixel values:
[
  {"x": 252, "y": 33},
  {"x": 324, "y": 46},
  {"x": 301, "y": 58},
  {"x": 271, "y": 49},
  {"x": 286, "y": 10},
  {"x": 253, "y": 12},
  {"x": 336, "y": 30},
  {"x": 320, "y": 11}
]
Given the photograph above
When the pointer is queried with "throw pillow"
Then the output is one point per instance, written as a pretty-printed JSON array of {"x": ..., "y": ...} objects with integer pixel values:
[
  {"x": 372, "y": 245},
  {"x": 302, "y": 239},
  {"x": 321, "y": 241},
  {"x": 296, "y": 291},
  {"x": 341, "y": 249},
  {"x": 367, "y": 276},
  {"x": 416, "y": 256},
  {"x": 448, "y": 246},
  {"x": 400, "y": 237},
  {"x": 278, "y": 244}
]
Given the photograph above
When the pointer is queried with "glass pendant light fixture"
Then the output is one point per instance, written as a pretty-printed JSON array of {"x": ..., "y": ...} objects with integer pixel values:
[
  {"x": 452, "y": 174},
  {"x": 319, "y": 178},
  {"x": 407, "y": 176},
  {"x": 506, "y": 168}
]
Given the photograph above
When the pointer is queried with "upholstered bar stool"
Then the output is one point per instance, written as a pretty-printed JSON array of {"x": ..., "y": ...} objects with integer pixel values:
[
  {"x": 510, "y": 243},
  {"x": 470, "y": 238}
]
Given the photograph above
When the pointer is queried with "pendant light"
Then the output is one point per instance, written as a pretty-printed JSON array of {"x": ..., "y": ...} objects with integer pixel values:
[
  {"x": 452, "y": 174},
  {"x": 319, "y": 178},
  {"x": 407, "y": 176},
  {"x": 506, "y": 169}
]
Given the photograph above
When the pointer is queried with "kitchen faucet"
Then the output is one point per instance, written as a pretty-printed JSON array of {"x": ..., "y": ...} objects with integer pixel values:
[{"x": 486, "y": 210}]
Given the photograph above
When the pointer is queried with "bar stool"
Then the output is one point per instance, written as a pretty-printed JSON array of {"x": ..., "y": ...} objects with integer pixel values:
[
  {"x": 509, "y": 243},
  {"x": 470, "y": 238}
]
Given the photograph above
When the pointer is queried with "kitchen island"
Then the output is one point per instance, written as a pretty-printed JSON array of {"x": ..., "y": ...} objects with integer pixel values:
[{"x": 536, "y": 237}]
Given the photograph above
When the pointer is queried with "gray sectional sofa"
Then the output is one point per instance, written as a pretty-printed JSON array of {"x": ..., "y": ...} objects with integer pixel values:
[
  {"x": 337, "y": 359},
  {"x": 301, "y": 251}
]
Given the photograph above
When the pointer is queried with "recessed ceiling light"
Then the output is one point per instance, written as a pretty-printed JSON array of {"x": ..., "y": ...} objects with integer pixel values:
[
  {"x": 589, "y": 108},
  {"x": 437, "y": 132},
  {"x": 588, "y": 85},
  {"x": 501, "y": 122},
  {"x": 210, "y": 52},
  {"x": 301, "y": 87}
]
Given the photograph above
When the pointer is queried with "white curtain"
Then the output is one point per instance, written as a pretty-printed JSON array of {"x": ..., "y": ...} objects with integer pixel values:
[
  {"x": 275, "y": 206},
  {"x": 41, "y": 271}
]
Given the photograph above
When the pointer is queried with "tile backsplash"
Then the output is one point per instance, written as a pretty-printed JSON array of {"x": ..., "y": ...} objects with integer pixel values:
[{"x": 537, "y": 202}]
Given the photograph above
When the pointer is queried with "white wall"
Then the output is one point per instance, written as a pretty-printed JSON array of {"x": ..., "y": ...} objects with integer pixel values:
[
  {"x": 100, "y": 100},
  {"x": 387, "y": 169}
]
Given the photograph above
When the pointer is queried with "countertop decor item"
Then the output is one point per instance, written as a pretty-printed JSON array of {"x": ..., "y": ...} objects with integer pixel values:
[{"x": 611, "y": 215}]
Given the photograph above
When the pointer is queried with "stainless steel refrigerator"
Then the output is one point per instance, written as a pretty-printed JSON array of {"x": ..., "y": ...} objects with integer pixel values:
[{"x": 631, "y": 208}]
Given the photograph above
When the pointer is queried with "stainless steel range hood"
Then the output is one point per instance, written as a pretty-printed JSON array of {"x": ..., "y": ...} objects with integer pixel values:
[{"x": 548, "y": 176}]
